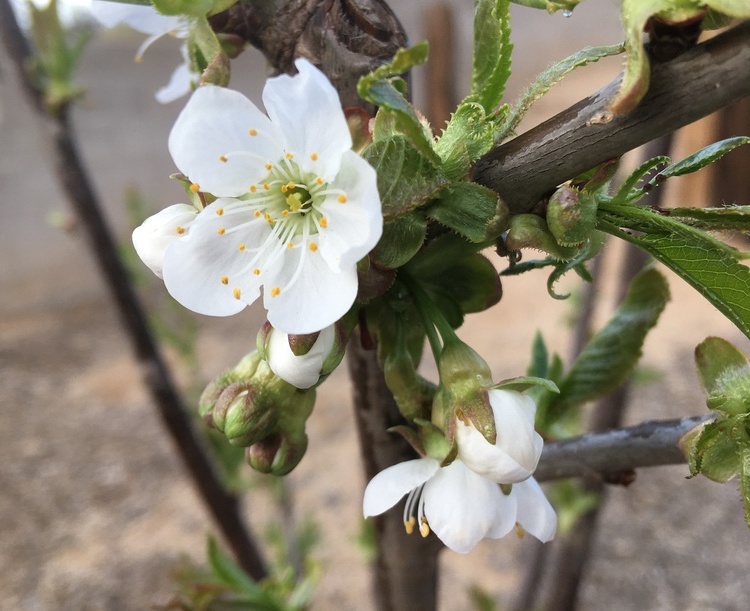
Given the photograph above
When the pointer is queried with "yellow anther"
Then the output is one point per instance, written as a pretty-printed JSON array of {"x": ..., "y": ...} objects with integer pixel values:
[
  {"x": 289, "y": 245},
  {"x": 253, "y": 188},
  {"x": 265, "y": 186},
  {"x": 267, "y": 216},
  {"x": 284, "y": 188},
  {"x": 269, "y": 167},
  {"x": 285, "y": 213},
  {"x": 290, "y": 185},
  {"x": 288, "y": 155},
  {"x": 313, "y": 246},
  {"x": 257, "y": 213},
  {"x": 424, "y": 528},
  {"x": 221, "y": 231},
  {"x": 341, "y": 199},
  {"x": 180, "y": 230},
  {"x": 223, "y": 158},
  {"x": 275, "y": 291},
  {"x": 323, "y": 223},
  {"x": 225, "y": 279},
  {"x": 314, "y": 156},
  {"x": 319, "y": 180},
  {"x": 237, "y": 292},
  {"x": 252, "y": 131},
  {"x": 220, "y": 211},
  {"x": 241, "y": 247},
  {"x": 195, "y": 187},
  {"x": 409, "y": 525},
  {"x": 256, "y": 271},
  {"x": 520, "y": 532}
]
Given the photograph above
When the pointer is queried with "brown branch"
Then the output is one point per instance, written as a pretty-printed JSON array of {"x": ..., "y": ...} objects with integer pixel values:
[
  {"x": 63, "y": 153},
  {"x": 606, "y": 455},
  {"x": 702, "y": 80}
]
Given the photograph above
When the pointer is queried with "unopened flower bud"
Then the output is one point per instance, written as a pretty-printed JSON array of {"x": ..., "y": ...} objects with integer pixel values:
[
  {"x": 278, "y": 454},
  {"x": 571, "y": 216},
  {"x": 245, "y": 414}
]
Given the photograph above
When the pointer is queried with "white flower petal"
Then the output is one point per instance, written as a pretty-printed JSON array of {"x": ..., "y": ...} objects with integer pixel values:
[
  {"x": 157, "y": 232},
  {"x": 211, "y": 142},
  {"x": 145, "y": 19},
  {"x": 486, "y": 459},
  {"x": 180, "y": 83},
  {"x": 310, "y": 298},
  {"x": 301, "y": 371},
  {"x": 535, "y": 514},
  {"x": 356, "y": 225},
  {"x": 308, "y": 110},
  {"x": 514, "y": 420},
  {"x": 209, "y": 272},
  {"x": 506, "y": 512},
  {"x": 391, "y": 484},
  {"x": 460, "y": 506}
]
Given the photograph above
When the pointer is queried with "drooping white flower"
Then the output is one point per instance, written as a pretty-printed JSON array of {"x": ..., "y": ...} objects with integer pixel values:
[
  {"x": 302, "y": 371},
  {"x": 463, "y": 502},
  {"x": 147, "y": 20},
  {"x": 156, "y": 234},
  {"x": 297, "y": 207}
]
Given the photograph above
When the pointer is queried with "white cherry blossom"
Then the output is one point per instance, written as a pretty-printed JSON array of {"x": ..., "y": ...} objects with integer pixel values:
[
  {"x": 156, "y": 234},
  {"x": 463, "y": 503},
  {"x": 296, "y": 208},
  {"x": 302, "y": 371}
]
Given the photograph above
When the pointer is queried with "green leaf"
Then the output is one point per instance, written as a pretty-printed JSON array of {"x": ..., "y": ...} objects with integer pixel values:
[
  {"x": 550, "y": 5},
  {"x": 401, "y": 240},
  {"x": 383, "y": 88},
  {"x": 628, "y": 189},
  {"x": 725, "y": 373},
  {"x": 702, "y": 158},
  {"x": 523, "y": 383},
  {"x": 406, "y": 178},
  {"x": 738, "y": 9},
  {"x": 492, "y": 52},
  {"x": 539, "y": 357},
  {"x": 745, "y": 481},
  {"x": 229, "y": 573},
  {"x": 708, "y": 265},
  {"x": 612, "y": 354},
  {"x": 547, "y": 79},
  {"x": 715, "y": 453},
  {"x": 194, "y": 8},
  {"x": 732, "y": 217},
  {"x": 471, "y": 210}
]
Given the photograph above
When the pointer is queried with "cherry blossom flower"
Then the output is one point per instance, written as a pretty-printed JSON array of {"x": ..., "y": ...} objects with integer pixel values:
[
  {"x": 463, "y": 502},
  {"x": 296, "y": 208},
  {"x": 302, "y": 371},
  {"x": 156, "y": 234},
  {"x": 147, "y": 20}
]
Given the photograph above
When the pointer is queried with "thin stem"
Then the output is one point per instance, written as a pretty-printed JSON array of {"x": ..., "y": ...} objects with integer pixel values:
[{"x": 74, "y": 179}]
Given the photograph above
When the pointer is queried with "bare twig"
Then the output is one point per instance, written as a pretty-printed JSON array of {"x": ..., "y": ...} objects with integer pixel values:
[
  {"x": 63, "y": 153},
  {"x": 702, "y": 80}
]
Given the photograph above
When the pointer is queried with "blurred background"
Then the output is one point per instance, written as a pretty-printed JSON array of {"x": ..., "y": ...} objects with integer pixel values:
[{"x": 96, "y": 512}]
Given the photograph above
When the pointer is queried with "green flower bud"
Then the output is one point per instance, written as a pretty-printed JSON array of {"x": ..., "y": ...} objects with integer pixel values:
[
  {"x": 278, "y": 454},
  {"x": 245, "y": 414},
  {"x": 243, "y": 371},
  {"x": 571, "y": 216},
  {"x": 531, "y": 231}
]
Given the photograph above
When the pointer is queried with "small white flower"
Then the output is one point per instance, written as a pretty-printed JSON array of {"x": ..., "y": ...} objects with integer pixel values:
[
  {"x": 463, "y": 502},
  {"x": 145, "y": 19},
  {"x": 301, "y": 371},
  {"x": 297, "y": 207},
  {"x": 156, "y": 234}
]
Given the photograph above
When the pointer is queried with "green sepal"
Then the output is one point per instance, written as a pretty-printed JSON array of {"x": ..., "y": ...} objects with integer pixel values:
[
  {"x": 206, "y": 54},
  {"x": 524, "y": 383},
  {"x": 401, "y": 240},
  {"x": 434, "y": 442},
  {"x": 471, "y": 210},
  {"x": 410, "y": 436},
  {"x": 406, "y": 178},
  {"x": 531, "y": 231},
  {"x": 708, "y": 265},
  {"x": 492, "y": 52},
  {"x": 712, "y": 450},
  {"x": 571, "y": 216},
  {"x": 550, "y": 5},
  {"x": 725, "y": 374},
  {"x": 613, "y": 352}
]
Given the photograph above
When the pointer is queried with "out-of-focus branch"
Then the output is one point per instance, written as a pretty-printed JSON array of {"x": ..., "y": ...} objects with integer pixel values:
[
  {"x": 701, "y": 81},
  {"x": 606, "y": 455},
  {"x": 63, "y": 154}
]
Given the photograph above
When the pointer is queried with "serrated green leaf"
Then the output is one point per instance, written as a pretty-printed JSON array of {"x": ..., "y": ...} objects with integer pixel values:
[
  {"x": 708, "y": 265},
  {"x": 402, "y": 238},
  {"x": 625, "y": 192},
  {"x": 406, "y": 178},
  {"x": 717, "y": 452},
  {"x": 539, "y": 357},
  {"x": 492, "y": 52},
  {"x": 547, "y": 79},
  {"x": 702, "y": 158},
  {"x": 745, "y": 481},
  {"x": 471, "y": 210},
  {"x": 732, "y": 217},
  {"x": 613, "y": 352}
]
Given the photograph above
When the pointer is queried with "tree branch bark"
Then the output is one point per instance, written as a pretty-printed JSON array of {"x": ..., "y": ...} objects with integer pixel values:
[
  {"x": 606, "y": 455},
  {"x": 701, "y": 81}
]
